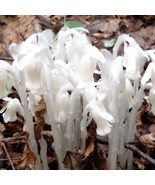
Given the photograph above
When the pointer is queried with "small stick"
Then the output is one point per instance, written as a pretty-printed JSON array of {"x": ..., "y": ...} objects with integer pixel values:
[
  {"x": 130, "y": 147},
  {"x": 14, "y": 158},
  {"x": 10, "y": 139},
  {"x": 7, "y": 154},
  {"x": 6, "y": 58},
  {"x": 143, "y": 155},
  {"x": 6, "y": 50}
]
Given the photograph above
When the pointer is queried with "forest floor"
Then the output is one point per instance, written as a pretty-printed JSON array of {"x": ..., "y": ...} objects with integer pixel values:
[{"x": 103, "y": 32}]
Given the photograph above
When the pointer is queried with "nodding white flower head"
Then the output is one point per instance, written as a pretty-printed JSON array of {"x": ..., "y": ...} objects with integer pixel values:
[
  {"x": 101, "y": 117},
  {"x": 71, "y": 44},
  {"x": 134, "y": 56},
  {"x": 30, "y": 57},
  {"x": 150, "y": 71},
  {"x": 6, "y": 78},
  {"x": 11, "y": 108}
]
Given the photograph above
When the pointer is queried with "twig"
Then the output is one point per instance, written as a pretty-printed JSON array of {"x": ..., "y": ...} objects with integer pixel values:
[
  {"x": 7, "y": 154},
  {"x": 143, "y": 155},
  {"x": 6, "y": 58},
  {"x": 6, "y": 50},
  {"x": 10, "y": 139},
  {"x": 14, "y": 158},
  {"x": 130, "y": 147}
]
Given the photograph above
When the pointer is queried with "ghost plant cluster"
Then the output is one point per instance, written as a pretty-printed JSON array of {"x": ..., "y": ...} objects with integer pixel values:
[{"x": 59, "y": 70}]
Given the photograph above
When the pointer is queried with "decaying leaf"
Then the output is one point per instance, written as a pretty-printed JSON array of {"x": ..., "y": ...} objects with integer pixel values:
[
  {"x": 148, "y": 140},
  {"x": 2, "y": 127},
  {"x": 28, "y": 160},
  {"x": 140, "y": 163},
  {"x": 47, "y": 133},
  {"x": 40, "y": 111},
  {"x": 89, "y": 149},
  {"x": 73, "y": 160}
]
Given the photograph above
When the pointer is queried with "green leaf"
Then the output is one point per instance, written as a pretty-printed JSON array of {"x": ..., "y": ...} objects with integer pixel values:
[
  {"x": 73, "y": 24},
  {"x": 109, "y": 43}
]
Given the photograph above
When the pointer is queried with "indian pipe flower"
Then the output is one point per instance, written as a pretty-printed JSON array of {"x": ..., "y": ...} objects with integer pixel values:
[
  {"x": 10, "y": 109},
  {"x": 134, "y": 56},
  {"x": 101, "y": 117},
  {"x": 30, "y": 57}
]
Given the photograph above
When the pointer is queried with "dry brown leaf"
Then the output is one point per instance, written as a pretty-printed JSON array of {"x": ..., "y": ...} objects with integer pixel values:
[
  {"x": 51, "y": 159},
  {"x": 89, "y": 150},
  {"x": 151, "y": 128},
  {"x": 73, "y": 160},
  {"x": 101, "y": 35},
  {"x": 2, "y": 127},
  {"x": 40, "y": 111},
  {"x": 28, "y": 160},
  {"x": 25, "y": 128},
  {"x": 47, "y": 133},
  {"x": 148, "y": 140},
  {"x": 140, "y": 163}
]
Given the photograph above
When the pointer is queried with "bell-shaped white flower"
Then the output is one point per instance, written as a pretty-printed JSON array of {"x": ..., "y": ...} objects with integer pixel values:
[
  {"x": 147, "y": 75},
  {"x": 134, "y": 56},
  {"x": 30, "y": 57},
  {"x": 71, "y": 45},
  {"x": 101, "y": 117},
  {"x": 6, "y": 78},
  {"x": 11, "y": 108}
]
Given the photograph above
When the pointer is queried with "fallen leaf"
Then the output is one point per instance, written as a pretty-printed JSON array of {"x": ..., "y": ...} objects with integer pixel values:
[
  {"x": 73, "y": 160},
  {"x": 148, "y": 140},
  {"x": 151, "y": 128},
  {"x": 89, "y": 150},
  {"x": 47, "y": 133},
  {"x": 98, "y": 35},
  {"x": 140, "y": 163},
  {"x": 2, "y": 127}
]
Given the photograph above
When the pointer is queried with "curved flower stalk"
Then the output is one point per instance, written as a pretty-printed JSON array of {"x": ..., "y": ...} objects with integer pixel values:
[
  {"x": 11, "y": 108},
  {"x": 6, "y": 78}
]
